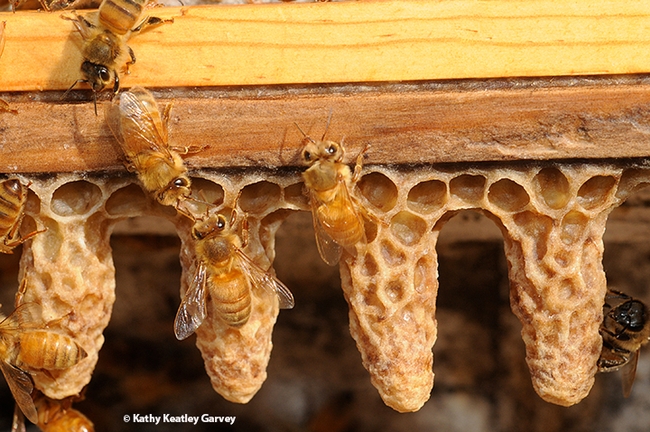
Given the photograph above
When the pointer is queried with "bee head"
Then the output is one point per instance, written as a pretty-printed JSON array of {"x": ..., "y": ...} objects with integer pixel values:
[
  {"x": 310, "y": 152},
  {"x": 331, "y": 151},
  {"x": 632, "y": 315},
  {"x": 210, "y": 226},
  {"x": 176, "y": 190},
  {"x": 321, "y": 150},
  {"x": 99, "y": 76}
]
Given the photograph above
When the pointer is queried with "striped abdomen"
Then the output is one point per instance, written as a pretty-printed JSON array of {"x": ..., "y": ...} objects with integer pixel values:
[
  {"x": 13, "y": 195},
  {"x": 120, "y": 16},
  {"x": 231, "y": 296},
  {"x": 342, "y": 223},
  {"x": 43, "y": 349}
]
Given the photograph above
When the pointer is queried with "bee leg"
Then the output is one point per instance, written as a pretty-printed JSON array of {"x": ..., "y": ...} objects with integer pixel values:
[
  {"x": 615, "y": 294},
  {"x": 128, "y": 63},
  {"x": 616, "y": 335},
  {"x": 45, "y": 5},
  {"x": 183, "y": 210},
  {"x": 244, "y": 231},
  {"x": 359, "y": 165},
  {"x": 82, "y": 25},
  {"x": 20, "y": 294},
  {"x": 14, "y": 238},
  {"x": 18, "y": 423},
  {"x": 189, "y": 149},
  {"x": 4, "y": 106}
]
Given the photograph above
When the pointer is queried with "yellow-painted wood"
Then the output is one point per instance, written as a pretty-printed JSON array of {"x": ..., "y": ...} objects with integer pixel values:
[{"x": 347, "y": 42}]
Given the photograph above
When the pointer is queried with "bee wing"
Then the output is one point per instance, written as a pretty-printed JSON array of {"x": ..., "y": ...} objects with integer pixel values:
[
  {"x": 192, "y": 311},
  {"x": 264, "y": 280},
  {"x": 21, "y": 388},
  {"x": 18, "y": 423},
  {"x": 132, "y": 115},
  {"x": 27, "y": 315},
  {"x": 113, "y": 118},
  {"x": 628, "y": 372},
  {"x": 328, "y": 249}
]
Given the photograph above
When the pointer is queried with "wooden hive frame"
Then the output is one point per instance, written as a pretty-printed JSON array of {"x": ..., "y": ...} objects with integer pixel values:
[{"x": 423, "y": 82}]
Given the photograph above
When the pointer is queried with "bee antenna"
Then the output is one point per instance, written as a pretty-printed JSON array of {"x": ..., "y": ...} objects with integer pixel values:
[
  {"x": 95, "y": 101},
  {"x": 304, "y": 134},
  {"x": 327, "y": 125},
  {"x": 74, "y": 84}
]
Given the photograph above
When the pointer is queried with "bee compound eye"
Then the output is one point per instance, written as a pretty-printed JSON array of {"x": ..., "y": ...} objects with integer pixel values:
[
  {"x": 198, "y": 235},
  {"x": 104, "y": 74},
  {"x": 181, "y": 182},
  {"x": 307, "y": 155},
  {"x": 221, "y": 222}
]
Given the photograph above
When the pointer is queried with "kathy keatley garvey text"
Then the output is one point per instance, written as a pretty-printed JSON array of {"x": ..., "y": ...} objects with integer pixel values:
[{"x": 168, "y": 418}]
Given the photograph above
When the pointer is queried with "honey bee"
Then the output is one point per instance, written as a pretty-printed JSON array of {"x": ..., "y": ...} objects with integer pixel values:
[
  {"x": 27, "y": 345},
  {"x": 141, "y": 131},
  {"x": 13, "y": 195},
  {"x": 625, "y": 329},
  {"x": 55, "y": 416},
  {"x": 225, "y": 274},
  {"x": 105, "y": 41},
  {"x": 336, "y": 215}
]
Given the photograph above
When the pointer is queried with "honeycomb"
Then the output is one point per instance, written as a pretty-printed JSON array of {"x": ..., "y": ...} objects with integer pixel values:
[{"x": 552, "y": 215}]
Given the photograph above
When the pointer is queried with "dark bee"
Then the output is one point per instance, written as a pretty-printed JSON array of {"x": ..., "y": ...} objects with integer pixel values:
[{"x": 625, "y": 329}]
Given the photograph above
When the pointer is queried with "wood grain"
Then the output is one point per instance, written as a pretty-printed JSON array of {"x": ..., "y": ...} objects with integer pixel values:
[
  {"x": 2, "y": 37},
  {"x": 363, "y": 41},
  {"x": 403, "y": 123}
]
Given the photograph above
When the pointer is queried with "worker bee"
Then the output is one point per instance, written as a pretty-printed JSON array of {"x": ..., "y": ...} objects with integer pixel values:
[
  {"x": 336, "y": 215},
  {"x": 141, "y": 131},
  {"x": 55, "y": 416},
  {"x": 105, "y": 41},
  {"x": 27, "y": 345},
  {"x": 225, "y": 274},
  {"x": 625, "y": 329},
  {"x": 13, "y": 195}
]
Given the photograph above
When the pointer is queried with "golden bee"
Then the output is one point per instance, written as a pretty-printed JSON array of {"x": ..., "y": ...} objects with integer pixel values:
[
  {"x": 105, "y": 39},
  {"x": 28, "y": 345},
  {"x": 625, "y": 329},
  {"x": 225, "y": 275},
  {"x": 141, "y": 130},
  {"x": 13, "y": 196},
  {"x": 337, "y": 218},
  {"x": 55, "y": 416}
]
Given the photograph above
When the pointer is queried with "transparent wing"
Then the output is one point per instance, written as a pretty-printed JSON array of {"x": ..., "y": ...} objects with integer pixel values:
[
  {"x": 18, "y": 423},
  {"x": 20, "y": 384},
  {"x": 264, "y": 280},
  {"x": 113, "y": 119},
  {"x": 26, "y": 316},
  {"x": 136, "y": 123},
  {"x": 192, "y": 311},
  {"x": 328, "y": 249},
  {"x": 628, "y": 372}
]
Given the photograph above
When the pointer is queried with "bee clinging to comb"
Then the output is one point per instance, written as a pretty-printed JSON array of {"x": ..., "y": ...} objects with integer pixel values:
[{"x": 337, "y": 217}]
